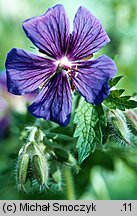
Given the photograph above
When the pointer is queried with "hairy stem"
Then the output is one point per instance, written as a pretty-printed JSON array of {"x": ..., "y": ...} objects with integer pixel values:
[{"x": 70, "y": 191}]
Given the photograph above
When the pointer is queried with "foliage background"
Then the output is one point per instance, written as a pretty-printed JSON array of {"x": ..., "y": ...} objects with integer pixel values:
[{"x": 102, "y": 175}]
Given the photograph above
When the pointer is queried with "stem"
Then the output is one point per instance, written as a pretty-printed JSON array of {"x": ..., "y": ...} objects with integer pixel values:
[
  {"x": 70, "y": 191},
  {"x": 32, "y": 134}
]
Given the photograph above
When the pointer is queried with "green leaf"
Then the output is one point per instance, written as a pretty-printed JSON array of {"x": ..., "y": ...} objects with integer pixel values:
[
  {"x": 101, "y": 126},
  {"x": 98, "y": 134},
  {"x": 117, "y": 92},
  {"x": 101, "y": 114},
  {"x": 114, "y": 81},
  {"x": 116, "y": 101},
  {"x": 86, "y": 118}
]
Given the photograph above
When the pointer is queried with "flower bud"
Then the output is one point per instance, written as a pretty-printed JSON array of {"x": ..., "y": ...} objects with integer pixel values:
[
  {"x": 40, "y": 169},
  {"x": 32, "y": 165},
  {"x": 22, "y": 170},
  {"x": 118, "y": 125},
  {"x": 39, "y": 165},
  {"x": 132, "y": 120}
]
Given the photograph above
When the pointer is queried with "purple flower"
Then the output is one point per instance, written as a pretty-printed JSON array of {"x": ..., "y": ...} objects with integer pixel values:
[{"x": 64, "y": 65}]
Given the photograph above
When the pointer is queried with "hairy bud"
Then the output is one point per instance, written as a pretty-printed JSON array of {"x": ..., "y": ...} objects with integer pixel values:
[
  {"x": 119, "y": 128},
  {"x": 40, "y": 169},
  {"x": 22, "y": 170},
  {"x": 132, "y": 119},
  {"x": 32, "y": 161}
]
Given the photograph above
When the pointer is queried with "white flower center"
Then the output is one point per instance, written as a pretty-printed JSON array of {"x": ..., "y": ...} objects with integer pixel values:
[{"x": 64, "y": 62}]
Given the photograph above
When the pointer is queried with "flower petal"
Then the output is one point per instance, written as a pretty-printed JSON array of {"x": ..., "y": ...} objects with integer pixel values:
[
  {"x": 54, "y": 101},
  {"x": 92, "y": 77},
  {"x": 88, "y": 35},
  {"x": 49, "y": 32},
  {"x": 26, "y": 71}
]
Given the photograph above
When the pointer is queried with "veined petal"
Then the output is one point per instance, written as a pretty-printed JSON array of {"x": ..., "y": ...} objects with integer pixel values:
[
  {"x": 49, "y": 32},
  {"x": 88, "y": 35},
  {"x": 26, "y": 71},
  {"x": 54, "y": 102},
  {"x": 92, "y": 77}
]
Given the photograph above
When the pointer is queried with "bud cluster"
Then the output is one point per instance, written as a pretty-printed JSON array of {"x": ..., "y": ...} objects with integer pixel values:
[{"x": 34, "y": 159}]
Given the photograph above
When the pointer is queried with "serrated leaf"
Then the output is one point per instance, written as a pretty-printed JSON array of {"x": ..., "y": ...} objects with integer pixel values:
[
  {"x": 98, "y": 134},
  {"x": 117, "y": 92},
  {"x": 101, "y": 126},
  {"x": 114, "y": 81},
  {"x": 101, "y": 115},
  {"x": 86, "y": 118},
  {"x": 120, "y": 102}
]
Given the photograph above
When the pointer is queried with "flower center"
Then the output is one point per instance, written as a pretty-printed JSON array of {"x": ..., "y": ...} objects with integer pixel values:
[
  {"x": 68, "y": 68},
  {"x": 64, "y": 63}
]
